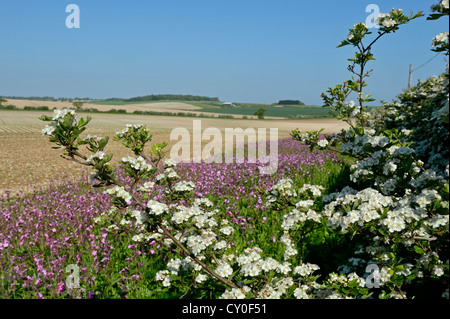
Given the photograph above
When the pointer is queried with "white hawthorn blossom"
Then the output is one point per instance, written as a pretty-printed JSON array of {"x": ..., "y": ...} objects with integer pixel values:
[
  {"x": 120, "y": 192},
  {"x": 138, "y": 164},
  {"x": 322, "y": 143},
  {"x": 99, "y": 155},
  {"x": 48, "y": 130},
  {"x": 157, "y": 208}
]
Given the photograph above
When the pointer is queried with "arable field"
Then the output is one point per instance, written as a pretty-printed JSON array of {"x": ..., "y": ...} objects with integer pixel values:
[
  {"x": 276, "y": 111},
  {"x": 195, "y": 108},
  {"x": 27, "y": 159}
]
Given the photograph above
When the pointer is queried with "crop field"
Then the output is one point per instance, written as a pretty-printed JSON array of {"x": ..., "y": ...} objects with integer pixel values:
[
  {"x": 276, "y": 111},
  {"x": 189, "y": 108},
  {"x": 26, "y": 158},
  {"x": 217, "y": 108}
]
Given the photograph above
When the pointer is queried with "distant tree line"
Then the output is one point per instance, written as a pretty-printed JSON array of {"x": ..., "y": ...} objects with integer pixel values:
[
  {"x": 153, "y": 97},
  {"x": 173, "y": 97},
  {"x": 34, "y": 98},
  {"x": 290, "y": 102},
  {"x": 46, "y": 98}
]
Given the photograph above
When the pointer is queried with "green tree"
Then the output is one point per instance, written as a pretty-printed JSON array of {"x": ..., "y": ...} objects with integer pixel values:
[
  {"x": 260, "y": 113},
  {"x": 77, "y": 105},
  {"x": 290, "y": 102},
  {"x": 2, "y": 101}
]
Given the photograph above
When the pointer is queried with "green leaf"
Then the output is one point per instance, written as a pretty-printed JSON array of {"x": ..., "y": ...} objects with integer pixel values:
[
  {"x": 399, "y": 268},
  {"x": 46, "y": 118},
  {"x": 102, "y": 143},
  {"x": 435, "y": 16},
  {"x": 411, "y": 277},
  {"x": 343, "y": 43},
  {"x": 383, "y": 232},
  {"x": 353, "y": 284},
  {"x": 81, "y": 122},
  {"x": 397, "y": 279},
  {"x": 419, "y": 250}
]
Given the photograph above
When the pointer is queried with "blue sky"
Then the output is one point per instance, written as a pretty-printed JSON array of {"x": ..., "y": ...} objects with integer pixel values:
[{"x": 256, "y": 51}]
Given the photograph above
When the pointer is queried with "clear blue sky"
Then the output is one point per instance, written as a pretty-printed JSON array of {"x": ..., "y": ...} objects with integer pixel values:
[{"x": 257, "y": 51}]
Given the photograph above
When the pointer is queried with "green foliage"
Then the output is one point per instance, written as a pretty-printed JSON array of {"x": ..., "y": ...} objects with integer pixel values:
[
  {"x": 290, "y": 102},
  {"x": 260, "y": 113},
  {"x": 285, "y": 111},
  {"x": 77, "y": 105},
  {"x": 7, "y": 107},
  {"x": 171, "y": 97}
]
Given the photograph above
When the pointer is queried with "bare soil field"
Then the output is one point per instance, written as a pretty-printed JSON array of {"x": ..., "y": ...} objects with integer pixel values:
[{"x": 27, "y": 159}]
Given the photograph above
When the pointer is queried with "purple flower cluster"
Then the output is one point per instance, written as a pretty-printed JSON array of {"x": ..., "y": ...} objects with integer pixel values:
[
  {"x": 241, "y": 184},
  {"x": 43, "y": 232}
]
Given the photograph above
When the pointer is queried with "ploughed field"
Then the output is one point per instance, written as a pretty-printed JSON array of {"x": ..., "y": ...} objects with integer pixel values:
[{"x": 27, "y": 159}]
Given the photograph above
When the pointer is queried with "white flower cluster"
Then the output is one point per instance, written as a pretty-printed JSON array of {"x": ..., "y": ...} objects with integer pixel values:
[
  {"x": 48, "y": 130},
  {"x": 198, "y": 243},
  {"x": 164, "y": 276},
  {"x": 99, "y": 155},
  {"x": 169, "y": 163},
  {"x": 312, "y": 190},
  {"x": 322, "y": 143},
  {"x": 284, "y": 187},
  {"x": 138, "y": 164},
  {"x": 139, "y": 217},
  {"x": 61, "y": 114},
  {"x": 443, "y": 6},
  {"x": 169, "y": 173},
  {"x": 354, "y": 110},
  {"x": 385, "y": 19},
  {"x": 58, "y": 116},
  {"x": 276, "y": 288},
  {"x": 358, "y": 147},
  {"x": 90, "y": 137},
  {"x": 141, "y": 238},
  {"x": 146, "y": 187},
  {"x": 119, "y": 192},
  {"x": 370, "y": 204},
  {"x": 295, "y": 217},
  {"x": 236, "y": 293},
  {"x": 340, "y": 279},
  {"x": 128, "y": 129},
  {"x": 184, "y": 186},
  {"x": 306, "y": 269},
  {"x": 157, "y": 208},
  {"x": 361, "y": 25},
  {"x": 381, "y": 160},
  {"x": 440, "y": 39}
]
